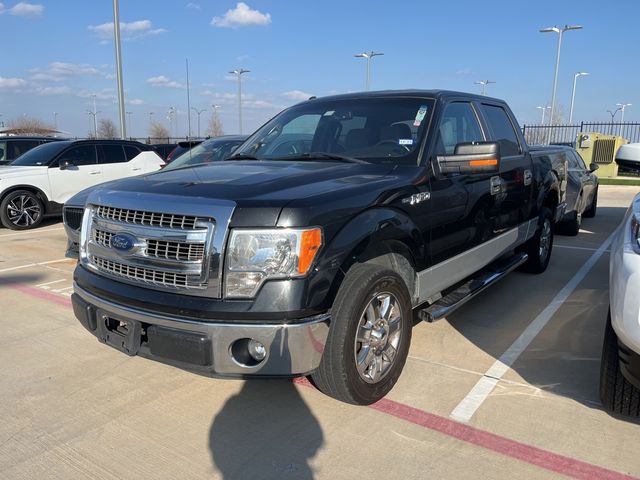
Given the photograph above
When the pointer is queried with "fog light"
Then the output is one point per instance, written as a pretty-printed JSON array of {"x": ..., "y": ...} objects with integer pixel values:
[{"x": 257, "y": 350}]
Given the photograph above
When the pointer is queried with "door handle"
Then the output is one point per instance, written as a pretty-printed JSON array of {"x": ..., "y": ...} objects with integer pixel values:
[
  {"x": 95, "y": 172},
  {"x": 136, "y": 169}
]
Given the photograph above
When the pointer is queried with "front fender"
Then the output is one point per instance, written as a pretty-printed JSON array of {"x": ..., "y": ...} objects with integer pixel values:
[{"x": 384, "y": 228}]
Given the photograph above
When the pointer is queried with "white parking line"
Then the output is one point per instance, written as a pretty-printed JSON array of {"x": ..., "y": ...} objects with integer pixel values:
[
  {"x": 42, "y": 285},
  {"x": 479, "y": 393},
  {"x": 29, "y": 265},
  {"x": 32, "y": 232},
  {"x": 573, "y": 247}
]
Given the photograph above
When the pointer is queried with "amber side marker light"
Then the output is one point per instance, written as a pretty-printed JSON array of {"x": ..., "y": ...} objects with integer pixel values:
[
  {"x": 491, "y": 162},
  {"x": 310, "y": 243}
]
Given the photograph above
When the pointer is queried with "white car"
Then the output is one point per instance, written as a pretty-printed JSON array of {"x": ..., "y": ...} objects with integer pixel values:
[
  {"x": 39, "y": 182},
  {"x": 620, "y": 367}
]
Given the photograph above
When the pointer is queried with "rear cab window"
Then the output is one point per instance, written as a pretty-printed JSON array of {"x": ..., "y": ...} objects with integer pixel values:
[{"x": 502, "y": 130}]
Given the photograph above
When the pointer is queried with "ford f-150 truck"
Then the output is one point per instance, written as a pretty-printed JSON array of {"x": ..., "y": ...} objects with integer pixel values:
[{"x": 312, "y": 250}]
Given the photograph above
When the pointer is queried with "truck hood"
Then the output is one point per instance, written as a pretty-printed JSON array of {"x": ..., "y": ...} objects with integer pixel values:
[
  {"x": 253, "y": 183},
  {"x": 7, "y": 171},
  {"x": 260, "y": 189}
]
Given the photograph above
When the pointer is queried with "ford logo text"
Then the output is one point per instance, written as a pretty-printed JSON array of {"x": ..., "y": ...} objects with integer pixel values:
[{"x": 123, "y": 242}]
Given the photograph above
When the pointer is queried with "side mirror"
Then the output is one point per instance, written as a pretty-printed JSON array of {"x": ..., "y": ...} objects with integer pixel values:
[
  {"x": 593, "y": 167},
  {"x": 473, "y": 158},
  {"x": 65, "y": 164}
]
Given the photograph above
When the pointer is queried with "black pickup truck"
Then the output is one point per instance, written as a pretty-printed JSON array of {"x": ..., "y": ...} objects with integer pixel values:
[{"x": 314, "y": 248}]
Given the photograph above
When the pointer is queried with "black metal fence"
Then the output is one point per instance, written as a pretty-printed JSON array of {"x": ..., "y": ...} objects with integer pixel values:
[{"x": 546, "y": 134}]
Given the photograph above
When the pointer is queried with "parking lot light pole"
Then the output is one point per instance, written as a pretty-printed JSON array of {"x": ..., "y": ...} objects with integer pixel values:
[
  {"x": 560, "y": 31},
  {"x": 116, "y": 31},
  {"x": 573, "y": 93},
  {"x": 198, "y": 112},
  {"x": 622, "y": 106},
  {"x": 238, "y": 73},
  {"x": 55, "y": 120},
  {"x": 368, "y": 56},
  {"x": 544, "y": 109},
  {"x": 484, "y": 84}
]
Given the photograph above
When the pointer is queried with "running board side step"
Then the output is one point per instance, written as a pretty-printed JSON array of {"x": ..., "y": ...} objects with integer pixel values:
[{"x": 471, "y": 287}]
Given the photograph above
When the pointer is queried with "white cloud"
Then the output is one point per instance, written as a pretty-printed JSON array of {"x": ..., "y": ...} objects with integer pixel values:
[
  {"x": 53, "y": 90},
  {"x": 12, "y": 82},
  {"x": 136, "y": 101},
  {"x": 105, "y": 95},
  {"x": 24, "y": 9},
  {"x": 129, "y": 31},
  {"x": 58, "y": 71},
  {"x": 193, "y": 6},
  {"x": 241, "y": 16},
  {"x": 2, "y": 10},
  {"x": 248, "y": 100},
  {"x": 297, "y": 95},
  {"x": 464, "y": 71},
  {"x": 162, "y": 81}
]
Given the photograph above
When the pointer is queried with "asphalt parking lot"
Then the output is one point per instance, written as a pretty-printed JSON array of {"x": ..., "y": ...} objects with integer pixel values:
[{"x": 505, "y": 388}]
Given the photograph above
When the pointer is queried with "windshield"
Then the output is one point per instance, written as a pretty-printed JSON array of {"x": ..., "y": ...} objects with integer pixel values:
[
  {"x": 40, "y": 155},
  {"x": 214, "y": 150},
  {"x": 373, "y": 129}
]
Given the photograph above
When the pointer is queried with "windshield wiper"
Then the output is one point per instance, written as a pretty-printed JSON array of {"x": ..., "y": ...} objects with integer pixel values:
[
  {"x": 329, "y": 156},
  {"x": 242, "y": 156}
]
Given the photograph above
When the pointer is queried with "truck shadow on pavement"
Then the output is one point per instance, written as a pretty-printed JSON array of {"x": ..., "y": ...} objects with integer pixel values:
[
  {"x": 564, "y": 358},
  {"x": 265, "y": 431}
]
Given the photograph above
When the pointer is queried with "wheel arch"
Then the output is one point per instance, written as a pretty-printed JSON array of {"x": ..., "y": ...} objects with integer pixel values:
[{"x": 30, "y": 188}]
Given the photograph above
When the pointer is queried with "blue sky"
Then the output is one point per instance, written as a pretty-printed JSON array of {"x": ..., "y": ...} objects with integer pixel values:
[{"x": 57, "y": 54}]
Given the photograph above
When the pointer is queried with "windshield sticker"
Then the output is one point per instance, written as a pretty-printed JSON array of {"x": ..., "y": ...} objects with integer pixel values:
[
  {"x": 405, "y": 141},
  {"x": 420, "y": 116},
  {"x": 329, "y": 113}
]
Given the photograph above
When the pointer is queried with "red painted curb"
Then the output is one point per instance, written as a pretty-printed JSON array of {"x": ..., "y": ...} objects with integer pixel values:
[
  {"x": 490, "y": 441},
  {"x": 38, "y": 293}
]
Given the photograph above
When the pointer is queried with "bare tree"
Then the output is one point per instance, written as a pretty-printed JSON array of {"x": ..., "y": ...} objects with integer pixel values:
[
  {"x": 107, "y": 128},
  {"x": 158, "y": 133},
  {"x": 215, "y": 124},
  {"x": 28, "y": 125}
]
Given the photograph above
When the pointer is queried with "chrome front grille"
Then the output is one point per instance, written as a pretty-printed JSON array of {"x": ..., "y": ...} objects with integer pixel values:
[
  {"x": 141, "y": 274},
  {"x": 190, "y": 252},
  {"x": 102, "y": 238},
  {"x": 152, "y": 219}
]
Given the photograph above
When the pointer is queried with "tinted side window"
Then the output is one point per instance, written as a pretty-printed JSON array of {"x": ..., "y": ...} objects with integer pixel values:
[
  {"x": 502, "y": 130},
  {"x": 21, "y": 146},
  {"x": 131, "y": 152},
  {"x": 579, "y": 159},
  {"x": 112, "y": 154},
  {"x": 459, "y": 124},
  {"x": 80, "y": 155},
  {"x": 3, "y": 151}
]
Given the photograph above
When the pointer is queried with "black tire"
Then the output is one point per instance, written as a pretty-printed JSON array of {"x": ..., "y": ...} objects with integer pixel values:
[
  {"x": 539, "y": 257},
  {"x": 616, "y": 393},
  {"x": 21, "y": 210},
  {"x": 591, "y": 211},
  {"x": 572, "y": 227},
  {"x": 338, "y": 375}
]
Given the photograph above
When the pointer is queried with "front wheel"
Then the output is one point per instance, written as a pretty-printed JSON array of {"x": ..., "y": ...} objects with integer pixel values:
[
  {"x": 369, "y": 337},
  {"x": 539, "y": 247},
  {"x": 21, "y": 210},
  {"x": 616, "y": 393}
]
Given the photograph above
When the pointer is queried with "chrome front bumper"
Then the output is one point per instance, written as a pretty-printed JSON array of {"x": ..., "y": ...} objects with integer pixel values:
[{"x": 209, "y": 348}]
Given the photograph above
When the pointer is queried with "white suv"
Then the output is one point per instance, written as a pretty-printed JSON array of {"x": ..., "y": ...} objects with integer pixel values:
[
  {"x": 39, "y": 182},
  {"x": 620, "y": 367}
]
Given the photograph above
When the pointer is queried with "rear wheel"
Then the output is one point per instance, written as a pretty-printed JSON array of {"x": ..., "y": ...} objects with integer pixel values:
[
  {"x": 369, "y": 337},
  {"x": 21, "y": 210},
  {"x": 572, "y": 227},
  {"x": 539, "y": 247},
  {"x": 591, "y": 211},
  {"x": 616, "y": 393}
]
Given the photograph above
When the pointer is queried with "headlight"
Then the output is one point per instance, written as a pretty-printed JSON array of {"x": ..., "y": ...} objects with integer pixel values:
[{"x": 254, "y": 256}]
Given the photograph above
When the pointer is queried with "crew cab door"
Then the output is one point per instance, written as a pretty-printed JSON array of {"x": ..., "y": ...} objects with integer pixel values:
[
  {"x": 75, "y": 169},
  {"x": 512, "y": 188},
  {"x": 458, "y": 220}
]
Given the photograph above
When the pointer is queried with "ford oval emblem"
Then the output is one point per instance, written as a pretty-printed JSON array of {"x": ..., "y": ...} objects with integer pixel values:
[{"x": 123, "y": 242}]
